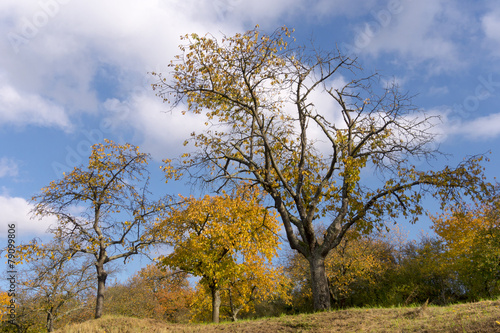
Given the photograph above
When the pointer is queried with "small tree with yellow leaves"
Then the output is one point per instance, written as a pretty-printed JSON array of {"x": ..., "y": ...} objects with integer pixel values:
[
  {"x": 472, "y": 247},
  {"x": 229, "y": 241}
]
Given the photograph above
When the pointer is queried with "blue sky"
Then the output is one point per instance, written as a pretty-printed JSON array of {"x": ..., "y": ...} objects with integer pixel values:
[{"x": 74, "y": 72}]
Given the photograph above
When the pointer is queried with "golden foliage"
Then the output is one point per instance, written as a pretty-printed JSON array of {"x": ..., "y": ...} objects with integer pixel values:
[
  {"x": 229, "y": 241},
  {"x": 4, "y": 302},
  {"x": 257, "y": 94},
  {"x": 472, "y": 242},
  {"x": 357, "y": 260}
]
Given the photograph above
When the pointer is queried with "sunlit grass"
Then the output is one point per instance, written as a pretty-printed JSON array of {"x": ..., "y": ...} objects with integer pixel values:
[{"x": 470, "y": 317}]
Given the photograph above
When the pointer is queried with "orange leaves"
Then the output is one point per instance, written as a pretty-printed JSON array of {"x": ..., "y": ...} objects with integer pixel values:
[{"x": 170, "y": 290}]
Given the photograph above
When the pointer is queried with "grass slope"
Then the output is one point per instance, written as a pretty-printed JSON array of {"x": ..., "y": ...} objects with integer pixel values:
[{"x": 472, "y": 317}]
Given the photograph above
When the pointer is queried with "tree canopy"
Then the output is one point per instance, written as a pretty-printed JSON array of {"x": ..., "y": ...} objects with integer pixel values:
[
  {"x": 309, "y": 127},
  {"x": 103, "y": 210},
  {"x": 229, "y": 241},
  {"x": 471, "y": 240}
]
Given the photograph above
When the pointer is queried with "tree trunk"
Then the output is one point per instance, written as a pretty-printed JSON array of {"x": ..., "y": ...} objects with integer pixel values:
[
  {"x": 320, "y": 287},
  {"x": 215, "y": 304},
  {"x": 50, "y": 322},
  {"x": 234, "y": 310},
  {"x": 234, "y": 314},
  {"x": 101, "y": 284}
]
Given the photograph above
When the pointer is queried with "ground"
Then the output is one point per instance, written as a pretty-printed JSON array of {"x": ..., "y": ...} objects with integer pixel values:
[{"x": 478, "y": 317}]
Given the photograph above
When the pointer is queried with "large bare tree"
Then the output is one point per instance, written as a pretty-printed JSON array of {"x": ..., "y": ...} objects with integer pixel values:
[{"x": 324, "y": 140}]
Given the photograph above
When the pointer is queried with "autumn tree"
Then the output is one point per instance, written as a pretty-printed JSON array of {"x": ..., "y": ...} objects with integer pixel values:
[
  {"x": 4, "y": 303},
  {"x": 153, "y": 292},
  {"x": 103, "y": 210},
  {"x": 171, "y": 289},
  {"x": 355, "y": 266},
  {"x": 228, "y": 241},
  {"x": 308, "y": 127},
  {"x": 56, "y": 282},
  {"x": 472, "y": 242}
]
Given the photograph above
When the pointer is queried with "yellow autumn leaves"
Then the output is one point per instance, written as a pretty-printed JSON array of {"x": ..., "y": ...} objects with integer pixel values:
[
  {"x": 472, "y": 246},
  {"x": 229, "y": 241}
]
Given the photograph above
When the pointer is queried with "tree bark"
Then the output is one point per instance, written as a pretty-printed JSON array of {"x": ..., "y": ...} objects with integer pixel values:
[
  {"x": 215, "y": 304},
  {"x": 50, "y": 321},
  {"x": 101, "y": 284},
  {"x": 234, "y": 310},
  {"x": 320, "y": 287}
]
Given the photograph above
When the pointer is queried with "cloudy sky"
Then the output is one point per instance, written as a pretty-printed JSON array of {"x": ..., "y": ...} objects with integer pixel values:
[{"x": 74, "y": 72}]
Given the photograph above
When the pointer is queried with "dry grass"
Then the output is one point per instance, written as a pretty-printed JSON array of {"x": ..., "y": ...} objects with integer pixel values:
[{"x": 478, "y": 317}]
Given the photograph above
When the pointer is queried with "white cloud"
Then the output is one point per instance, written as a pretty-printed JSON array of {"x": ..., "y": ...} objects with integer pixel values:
[
  {"x": 487, "y": 127},
  {"x": 442, "y": 90},
  {"x": 480, "y": 128},
  {"x": 17, "y": 210},
  {"x": 419, "y": 31},
  {"x": 160, "y": 131},
  {"x": 55, "y": 49},
  {"x": 8, "y": 167},
  {"x": 491, "y": 28},
  {"x": 21, "y": 108},
  {"x": 491, "y": 25},
  {"x": 52, "y": 66}
]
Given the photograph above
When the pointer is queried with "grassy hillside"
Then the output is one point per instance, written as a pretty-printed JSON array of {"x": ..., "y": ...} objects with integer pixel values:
[{"x": 473, "y": 317}]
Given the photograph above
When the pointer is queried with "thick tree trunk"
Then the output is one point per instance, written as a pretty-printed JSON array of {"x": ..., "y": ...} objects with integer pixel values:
[
  {"x": 101, "y": 284},
  {"x": 320, "y": 287},
  {"x": 215, "y": 304}
]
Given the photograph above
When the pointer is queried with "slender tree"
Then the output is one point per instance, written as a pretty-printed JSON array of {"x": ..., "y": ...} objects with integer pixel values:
[
  {"x": 103, "y": 210},
  {"x": 56, "y": 283},
  {"x": 309, "y": 128}
]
